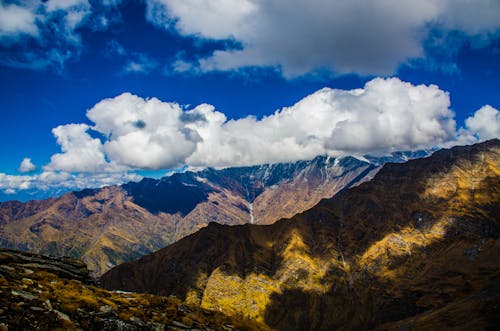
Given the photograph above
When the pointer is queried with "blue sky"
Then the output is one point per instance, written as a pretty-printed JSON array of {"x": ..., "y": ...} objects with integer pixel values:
[{"x": 102, "y": 92}]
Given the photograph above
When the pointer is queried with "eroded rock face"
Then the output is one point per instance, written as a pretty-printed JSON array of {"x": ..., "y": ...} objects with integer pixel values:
[
  {"x": 414, "y": 248},
  {"x": 108, "y": 226},
  {"x": 46, "y": 293},
  {"x": 62, "y": 267}
]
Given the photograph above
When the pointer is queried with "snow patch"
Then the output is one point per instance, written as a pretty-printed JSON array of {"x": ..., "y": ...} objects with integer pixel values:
[{"x": 250, "y": 209}]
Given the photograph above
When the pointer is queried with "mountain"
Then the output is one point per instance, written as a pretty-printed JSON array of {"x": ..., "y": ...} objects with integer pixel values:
[
  {"x": 108, "y": 226},
  {"x": 414, "y": 248},
  {"x": 46, "y": 293}
]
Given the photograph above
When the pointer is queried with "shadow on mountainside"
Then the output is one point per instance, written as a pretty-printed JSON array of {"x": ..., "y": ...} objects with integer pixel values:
[
  {"x": 418, "y": 238},
  {"x": 171, "y": 195},
  {"x": 451, "y": 282}
]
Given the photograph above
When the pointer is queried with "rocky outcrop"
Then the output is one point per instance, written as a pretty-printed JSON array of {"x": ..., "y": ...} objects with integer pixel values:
[
  {"x": 47, "y": 293},
  {"x": 414, "y": 248},
  {"x": 62, "y": 267}
]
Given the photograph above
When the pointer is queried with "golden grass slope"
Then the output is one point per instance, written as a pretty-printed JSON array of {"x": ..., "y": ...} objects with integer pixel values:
[{"x": 415, "y": 248}]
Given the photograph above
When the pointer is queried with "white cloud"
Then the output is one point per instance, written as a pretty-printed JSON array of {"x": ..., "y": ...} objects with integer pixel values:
[
  {"x": 38, "y": 34},
  {"x": 299, "y": 37},
  {"x": 16, "y": 20},
  {"x": 136, "y": 62},
  {"x": 50, "y": 180},
  {"x": 53, "y": 5},
  {"x": 217, "y": 19},
  {"x": 485, "y": 123},
  {"x": 386, "y": 115},
  {"x": 80, "y": 152},
  {"x": 141, "y": 64},
  {"x": 10, "y": 191},
  {"x": 26, "y": 165},
  {"x": 146, "y": 134},
  {"x": 473, "y": 17}
]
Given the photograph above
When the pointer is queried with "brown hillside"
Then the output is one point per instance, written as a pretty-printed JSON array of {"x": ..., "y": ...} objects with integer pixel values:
[
  {"x": 108, "y": 226},
  {"x": 47, "y": 293},
  {"x": 415, "y": 248}
]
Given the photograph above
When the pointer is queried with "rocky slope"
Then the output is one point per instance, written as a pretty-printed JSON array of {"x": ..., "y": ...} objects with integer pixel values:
[
  {"x": 414, "y": 248},
  {"x": 44, "y": 293},
  {"x": 114, "y": 224}
]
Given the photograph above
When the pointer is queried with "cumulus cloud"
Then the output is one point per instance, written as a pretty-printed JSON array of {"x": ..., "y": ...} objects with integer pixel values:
[
  {"x": 384, "y": 116},
  {"x": 143, "y": 133},
  {"x": 26, "y": 165},
  {"x": 80, "y": 152},
  {"x": 300, "y": 37},
  {"x": 485, "y": 123}
]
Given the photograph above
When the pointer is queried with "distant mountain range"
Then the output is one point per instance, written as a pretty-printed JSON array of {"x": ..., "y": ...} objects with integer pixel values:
[
  {"x": 415, "y": 248},
  {"x": 114, "y": 224}
]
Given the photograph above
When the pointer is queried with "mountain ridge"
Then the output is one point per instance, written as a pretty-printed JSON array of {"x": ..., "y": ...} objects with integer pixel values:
[
  {"x": 114, "y": 224},
  {"x": 415, "y": 247}
]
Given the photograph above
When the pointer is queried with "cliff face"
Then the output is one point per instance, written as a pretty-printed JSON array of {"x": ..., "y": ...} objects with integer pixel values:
[
  {"x": 47, "y": 293},
  {"x": 108, "y": 226},
  {"x": 416, "y": 247}
]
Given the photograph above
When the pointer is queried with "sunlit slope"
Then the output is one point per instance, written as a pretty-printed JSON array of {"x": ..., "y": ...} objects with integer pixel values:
[{"x": 416, "y": 247}]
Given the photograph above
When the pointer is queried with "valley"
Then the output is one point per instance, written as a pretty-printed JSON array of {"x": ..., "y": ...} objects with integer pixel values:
[{"x": 108, "y": 226}]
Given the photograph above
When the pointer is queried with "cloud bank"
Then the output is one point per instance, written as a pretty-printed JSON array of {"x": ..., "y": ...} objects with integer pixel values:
[
  {"x": 61, "y": 181},
  {"x": 299, "y": 37},
  {"x": 385, "y": 115},
  {"x": 130, "y": 133}
]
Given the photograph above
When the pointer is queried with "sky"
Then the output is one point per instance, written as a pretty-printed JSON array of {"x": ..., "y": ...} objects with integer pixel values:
[{"x": 101, "y": 92}]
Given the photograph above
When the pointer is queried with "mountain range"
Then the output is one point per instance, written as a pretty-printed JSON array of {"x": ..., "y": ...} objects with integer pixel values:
[
  {"x": 414, "y": 248},
  {"x": 114, "y": 224}
]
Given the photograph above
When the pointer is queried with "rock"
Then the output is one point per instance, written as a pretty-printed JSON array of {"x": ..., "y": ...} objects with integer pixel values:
[
  {"x": 28, "y": 271},
  {"x": 6, "y": 267},
  {"x": 27, "y": 281},
  {"x": 62, "y": 315},
  {"x": 187, "y": 321},
  {"x": 35, "y": 308},
  {"x": 105, "y": 309},
  {"x": 1, "y": 311},
  {"x": 24, "y": 295},
  {"x": 63, "y": 267},
  {"x": 112, "y": 324},
  {"x": 185, "y": 309},
  {"x": 136, "y": 320},
  {"x": 48, "y": 304},
  {"x": 153, "y": 326},
  {"x": 4, "y": 327},
  {"x": 180, "y": 325}
]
